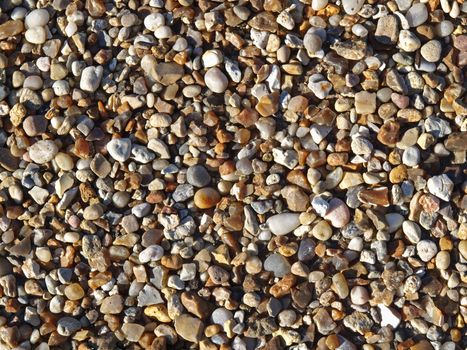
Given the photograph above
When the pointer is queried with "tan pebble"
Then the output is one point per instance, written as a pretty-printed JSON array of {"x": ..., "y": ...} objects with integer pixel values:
[
  {"x": 74, "y": 291},
  {"x": 206, "y": 198}
]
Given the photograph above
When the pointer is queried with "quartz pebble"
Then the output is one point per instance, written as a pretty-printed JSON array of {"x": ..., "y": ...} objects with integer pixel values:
[{"x": 215, "y": 80}]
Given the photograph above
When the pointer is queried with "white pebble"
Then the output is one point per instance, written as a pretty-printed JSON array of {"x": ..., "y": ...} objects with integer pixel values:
[
  {"x": 215, "y": 80},
  {"x": 37, "y": 18},
  {"x": 36, "y": 35}
]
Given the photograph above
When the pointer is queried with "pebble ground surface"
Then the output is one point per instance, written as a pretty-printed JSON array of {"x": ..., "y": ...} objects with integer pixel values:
[{"x": 233, "y": 175}]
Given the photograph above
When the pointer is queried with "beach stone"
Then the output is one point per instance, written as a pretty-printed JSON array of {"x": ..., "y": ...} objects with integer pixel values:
[
  {"x": 412, "y": 231},
  {"x": 282, "y": 224},
  {"x": 206, "y": 198},
  {"x": 322, "y": 230},
  {"x": 411, "y": 156},
  {"x": 417, "y": 15},
  {"x": 351, "y": 7},
  {"x": 431, "y": 51},
  {"x": 67, "y": 326},
  {"x": 215, "y": 80},
  {"x": 112, "y": 305},
  {"x": 36, "y": 35},
  {"x": 11, "y": 28},
  {"x": 312, "y": 42},
  {"x": 408, "y": 41},
  {"x": 426, "y": 250},
  {"x": 43, "y": 151},
  {"x": 37, "y": 18},
  {"x": 387, "y": 30},
  {"x": 154, "y": 21},
  {"x": 440, "y": 186},
  {"x": 359, "y": 295},
  {"x": 132, "y": 331},
  {"x": 119, "y": 149},
  {"x": 91, "y": 78},
  {"x": 74, "y": 291},
  {"x": 277, "y": 264},
  {"x": 189, "y": 328},
  {"x": 168, "y": 73},
  {"x": 35, "y": 125},
  {"x": 338, "y": 213},
  {"x": 198, "y": 176},
  {"x": 365, "y": 102}
]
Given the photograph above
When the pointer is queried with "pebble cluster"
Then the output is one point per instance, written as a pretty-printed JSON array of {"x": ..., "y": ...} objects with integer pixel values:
[{"x": 233, "y": 175}]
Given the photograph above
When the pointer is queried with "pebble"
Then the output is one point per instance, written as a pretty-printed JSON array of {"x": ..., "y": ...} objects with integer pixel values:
[
  {"x": 351, "y": 7},
  {"x": 198, "y": 176},
  {"x": 440, "y": 186},
  {"x": 215, "y": 80},
  {"x": 37, "y": 18},
  {"x": 36, "y": 35},
  {"x": 426, "y": 250},
  {"x": 189, "y": 328},
  {"x": 119, "y": 149},
  {"x": 277, "y": 264},
  {"x": 411, "y": 156},
  {"x": 67, "y": 326},
  {"x": 412, "y": 231},
  {"x": 284, "y": 223},
  {"x": 91, "y": 78},
  {"x": 338, "y": 213},
  {"x": 431, "y": 51},
  {"x": 416, "y": 15},
  {"x": 359, "y": 295},
  {"x": 43, "y": 151},
  {"x": 206, "y": 198}
]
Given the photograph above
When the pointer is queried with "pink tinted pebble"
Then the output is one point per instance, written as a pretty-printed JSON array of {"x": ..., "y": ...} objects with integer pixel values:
[
  {"x": 74, "y": 221},
  {"x": 338, "y": 213}
]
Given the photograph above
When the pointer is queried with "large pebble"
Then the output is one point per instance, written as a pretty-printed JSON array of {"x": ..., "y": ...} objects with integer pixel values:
[
  {"x": 67, "y": 326},
  {"x": 283, "y": 223},
  {"x": 431, "y": 51},
  {"x": 36, "y": 35},
  {"x": 426, "y": 250},
  {"x": 417, "y": 15},
  {"x": 351, "y": 7},
  {"x": 206, "y": 198},
  {"x": 43, "y": 151},
  {"x": 215, "y": 80},
  {"x": 198, "y": 176},
  {"x": 440, "y": 186}
]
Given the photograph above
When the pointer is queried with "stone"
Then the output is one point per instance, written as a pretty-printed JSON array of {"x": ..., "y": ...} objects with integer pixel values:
[
  {"x": 198, "y": 176},
  {"x": 440, "y": 186},
  {"x": 149, "y": 296},
  {"x": 351, "y": 7},
  {"x": 389, "y": 316},
  {"x": 277, "y": 264},
  {"x": 67, "y": 326},
  {"x": 365, "y": 102},
  {"x": 7, "y": 160},
  {"x": 36, "y": 35},
  {"x": 10, "y": 28},
  {"x": 387, "y": 30},
  {"x": 74, "y": 291},
  {"x": 416, "y": 15},
  {"x": 37, "y": 18},
  {"x": 91, "y": 78},
  {"x": 206, "y": 198},
  {"x": 408, "y": 41},
  {"x": 168, "y": 73},
  {"x": 296, "y": 198},
  {"x": 43, "y": 151},
  {"x": 119, "y": 149},
  {"x": 338, "y": 213},
  {"x": 359, "y": 295},
  {"x": 431, "y": 51},
  {"x": 112, "y": 305},
  {"x": 189, "y": 328},
  {"x": 412, "y": 231},
  {"x": 306, "y": 249},
  {"x": 268, "y": 104},
  {"x": 132, "y": 331},
  {"x": 284, "y": 223},
  {"x": 312, "y": 42},
  {"x": 212, "y": 58},
  {"x": 426, "y": 250},
  {"x": 100, "y": 166},
  {"x": 215, "y": 80},
  {"x": 411, "y": 156}
]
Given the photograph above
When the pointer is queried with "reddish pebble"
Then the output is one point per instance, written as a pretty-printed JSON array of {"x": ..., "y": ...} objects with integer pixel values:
[{"x": 206, "y": 198}]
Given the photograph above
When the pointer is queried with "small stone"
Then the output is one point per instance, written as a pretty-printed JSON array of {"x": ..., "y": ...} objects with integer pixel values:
[
  {"x": 119, "y": 149},
  {"x": 389, "y": 317},
  {"x": 206, "y": 198},
  {"x": 417, "y": 15},
  {"x": 440, "y": 186},
  {"x": 132, "y": 331},
  {"x": 322, "y": 230},
  {"x": 100, "y": 166},
  {"x": 412, "y": 231},
  {"x": 306, "y": 250},
  {"x": 37, "y": 18},
  {"x": 443, "y": 260},
  {"x": 215, "y": 80},
  {"x": 359, "y": 295},
  {"x": 43, "y": 151},
  {"x": 312, "y": 42},
  {"x": 338, "y": 213},
  {"x": 168, "y": 73},
  {"x": 282, "y": 224},
  {"x": 387, "y": 30},
  {"x": 426, "y": 250},
  {"x": 296, "y": 198},
  {"x": 411, "y": 156},
  {"x": 154, "y": 21},
  {"x": 189, "y": 328},
  {"x": 365, "y": 102},
  {"x": 91, "y": 78},
  {"x": 277, "y": 264},
  {"x": 67, "y": 326},
  {"x": 394, "y": 221},
  {"x": 74, "y": 291},
  {"x": 198, "y": 176},
  {"x": 408, "y": 41},
  {"x": 10, "y": 28},
  {"x": 112, "y": 305},
  {"x": 36, "y": 35},
  {"x": 431, "y": 51},
  {"x": 268, "y": 104},
  {"x": 351, "y": 7}
]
